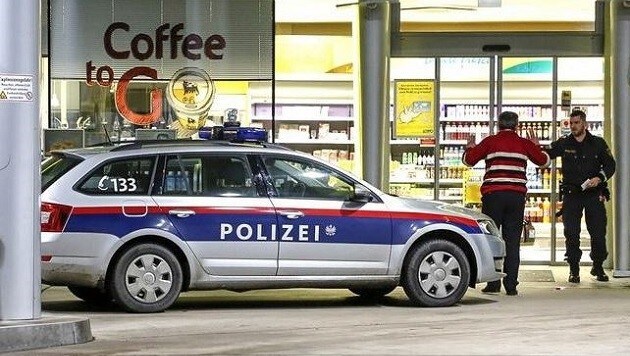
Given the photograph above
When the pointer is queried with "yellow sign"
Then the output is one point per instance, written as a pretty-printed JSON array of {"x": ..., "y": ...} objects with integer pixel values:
[
  {"x": 414, "y": 107},
  {"x": 472, "y": 186}
]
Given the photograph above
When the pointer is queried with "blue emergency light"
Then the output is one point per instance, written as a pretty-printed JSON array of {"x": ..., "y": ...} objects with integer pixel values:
[{"x": 232, "y": 133}]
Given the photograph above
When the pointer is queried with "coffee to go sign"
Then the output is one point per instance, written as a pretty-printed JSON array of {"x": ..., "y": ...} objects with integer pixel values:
[
  {"x": 166, "y": 42},
  {"x": 112, "y": 42}
]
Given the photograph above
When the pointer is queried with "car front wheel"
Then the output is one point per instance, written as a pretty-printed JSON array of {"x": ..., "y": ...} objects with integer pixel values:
[
  {"x": 147, "y": 278},
  {"x": 437, "y": 274}
]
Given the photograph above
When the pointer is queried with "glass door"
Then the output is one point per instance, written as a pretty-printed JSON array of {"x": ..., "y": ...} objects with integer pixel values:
[
  {"x": 413, "y": 159},
  {"x": 466, "y": 93},
  {"x": 580, "y": 86},
  {"x": 431, "y": 168},
  {"x": 526, "y": 88}
]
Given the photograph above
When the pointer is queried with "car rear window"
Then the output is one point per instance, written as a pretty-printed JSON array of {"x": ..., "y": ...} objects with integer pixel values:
[
  {"x": 128, "y": 176},
  {"x": 56, "y": 166}
]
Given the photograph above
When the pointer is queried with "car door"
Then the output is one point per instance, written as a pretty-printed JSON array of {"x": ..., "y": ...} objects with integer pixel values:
[
  {"x": 214, "y": 204},
  {"x": 320, "y": 229}
]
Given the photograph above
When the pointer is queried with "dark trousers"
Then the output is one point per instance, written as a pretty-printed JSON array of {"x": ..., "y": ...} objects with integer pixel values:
[
  {"x": 506, "y": 208},
  {"x": 595, "y": 214}
]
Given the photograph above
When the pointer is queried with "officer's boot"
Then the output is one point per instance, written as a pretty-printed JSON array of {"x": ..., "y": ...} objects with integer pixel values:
[
  {"x": 574, "y": 272},
  {"x": 598, "y": 271}
]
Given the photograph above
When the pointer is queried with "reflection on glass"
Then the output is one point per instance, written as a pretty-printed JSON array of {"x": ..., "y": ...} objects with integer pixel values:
[{"x": 93, "y": 108}]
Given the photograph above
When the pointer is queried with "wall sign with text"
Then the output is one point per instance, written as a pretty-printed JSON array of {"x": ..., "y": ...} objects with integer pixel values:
[{"x": 414, "y": 108}]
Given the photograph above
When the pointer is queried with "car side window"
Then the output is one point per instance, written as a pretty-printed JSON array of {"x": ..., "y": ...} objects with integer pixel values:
[
  {"x": 294, "y": 178},
  {"x": 208, "y": 175},
  {"x": 121, "y": 177}
]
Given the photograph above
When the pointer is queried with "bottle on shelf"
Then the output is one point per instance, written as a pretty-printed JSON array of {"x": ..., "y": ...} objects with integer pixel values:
[
  {"x": 546, "y": 180},
  {"x": 546, "y": 210},
  {"x": 545, "y": 131}
]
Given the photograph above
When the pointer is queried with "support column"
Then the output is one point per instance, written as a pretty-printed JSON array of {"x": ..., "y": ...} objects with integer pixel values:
[
  {"x": 20, "y": 57},
  {"x": 620, "y": 98},
  {"x": 372, "y": 34}
]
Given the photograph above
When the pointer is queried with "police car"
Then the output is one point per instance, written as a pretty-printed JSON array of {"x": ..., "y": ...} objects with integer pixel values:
[{"x": 139, "y": 223}]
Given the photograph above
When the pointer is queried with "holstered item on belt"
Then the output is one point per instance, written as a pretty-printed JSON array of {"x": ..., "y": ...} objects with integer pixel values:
[
  {"x": 574, "y": 189},
  {"x": 569, "y": 189}
]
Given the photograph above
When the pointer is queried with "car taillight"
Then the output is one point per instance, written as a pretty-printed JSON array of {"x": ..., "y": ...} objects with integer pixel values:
[{"x": 53, "y": 217}]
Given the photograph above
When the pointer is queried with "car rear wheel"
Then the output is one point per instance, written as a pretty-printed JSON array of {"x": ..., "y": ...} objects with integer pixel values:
[
  {"x": 437, "y": 274},
  {"x": 372, "y": 293},
  {"x": 91, "y": 295},
  {"x": 147, "y": 278}
]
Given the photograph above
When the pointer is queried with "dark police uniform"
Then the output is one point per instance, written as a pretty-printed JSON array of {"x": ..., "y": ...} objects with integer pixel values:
[{"x": 581, "y": 161}]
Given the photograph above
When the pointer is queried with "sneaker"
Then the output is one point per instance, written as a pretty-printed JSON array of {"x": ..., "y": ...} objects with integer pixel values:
[
  {"x": 598, "y": 272},
  {"x": 511, "y": 292},
  {"x": 574, "y": 278},
  {"x": 492, "y": 287}
]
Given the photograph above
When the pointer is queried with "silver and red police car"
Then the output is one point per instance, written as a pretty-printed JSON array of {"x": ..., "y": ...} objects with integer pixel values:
[{"x": 138, "y": 223}]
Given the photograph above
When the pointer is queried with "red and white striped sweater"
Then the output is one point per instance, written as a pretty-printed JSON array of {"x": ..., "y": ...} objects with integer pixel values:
[{"x": 506, "y": 155}]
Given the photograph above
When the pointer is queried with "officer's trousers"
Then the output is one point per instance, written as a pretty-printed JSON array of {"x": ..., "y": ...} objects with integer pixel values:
[
  {"x": 595, "y": 214},
  {"x": 506, "y": 208}
]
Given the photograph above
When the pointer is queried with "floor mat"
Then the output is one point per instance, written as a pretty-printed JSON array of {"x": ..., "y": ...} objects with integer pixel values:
[{"x": 535, "y": 275}]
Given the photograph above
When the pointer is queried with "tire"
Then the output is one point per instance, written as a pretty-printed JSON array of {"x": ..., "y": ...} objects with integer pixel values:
[
  {"x": 93, "y": 296},
  {"x": 373, "y": 293},
  {"x": 147, "y": 278},
  {"x": 437, "y": 274}
]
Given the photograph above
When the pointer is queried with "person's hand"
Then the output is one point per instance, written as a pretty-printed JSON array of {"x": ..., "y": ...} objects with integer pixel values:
[
  {"x": 594, "y": 182},
  {"x": 471, "y": 142},
  {"x": 531, "y": 135}
]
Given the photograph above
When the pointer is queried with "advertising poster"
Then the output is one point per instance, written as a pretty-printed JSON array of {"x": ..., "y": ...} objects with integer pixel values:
[{"x": 414, "y": 109}]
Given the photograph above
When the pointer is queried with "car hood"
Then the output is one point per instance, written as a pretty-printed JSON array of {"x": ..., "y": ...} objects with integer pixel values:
[{"x": 430, "y": 206}]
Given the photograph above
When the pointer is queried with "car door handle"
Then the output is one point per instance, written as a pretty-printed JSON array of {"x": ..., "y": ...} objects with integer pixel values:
[
  {"x": 292, "y": 214},
  {"x": 181, "y": 213}
]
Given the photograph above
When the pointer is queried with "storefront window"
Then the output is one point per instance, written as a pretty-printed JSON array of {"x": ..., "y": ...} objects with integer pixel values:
[{"x": 180, "y": 66}]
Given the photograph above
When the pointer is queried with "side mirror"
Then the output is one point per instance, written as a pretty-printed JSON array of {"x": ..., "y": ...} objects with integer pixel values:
[{"x": 361, "y": 195}]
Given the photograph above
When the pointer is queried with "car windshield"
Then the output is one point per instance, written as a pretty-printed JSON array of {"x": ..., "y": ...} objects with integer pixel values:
[{"x": 56, "y": 166}]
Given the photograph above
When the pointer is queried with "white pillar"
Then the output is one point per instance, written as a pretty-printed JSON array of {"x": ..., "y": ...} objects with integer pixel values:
[
  {"x": 20, "y": 56},
  {"x": 620, "y": 96}
]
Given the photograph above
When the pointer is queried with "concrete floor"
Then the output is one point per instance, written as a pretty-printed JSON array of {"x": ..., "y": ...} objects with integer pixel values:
[{"x": 545, "y": 318}]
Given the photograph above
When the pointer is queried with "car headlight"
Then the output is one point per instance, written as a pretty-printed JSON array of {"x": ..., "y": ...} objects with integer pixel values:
[{"x": 488, "y": 227}]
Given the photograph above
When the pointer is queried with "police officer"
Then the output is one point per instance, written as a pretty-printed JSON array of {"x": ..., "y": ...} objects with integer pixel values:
[{"x": 587, "y": 164}]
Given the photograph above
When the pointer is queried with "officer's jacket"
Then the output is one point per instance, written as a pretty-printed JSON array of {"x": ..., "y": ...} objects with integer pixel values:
[{"x": 583, "y": 160}]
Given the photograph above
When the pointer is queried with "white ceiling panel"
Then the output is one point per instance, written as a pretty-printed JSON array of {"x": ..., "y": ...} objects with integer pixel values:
[{"x": 510, "y": 10}]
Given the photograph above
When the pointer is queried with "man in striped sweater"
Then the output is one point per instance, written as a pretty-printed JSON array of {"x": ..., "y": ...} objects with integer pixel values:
[{"x": 504, "y": 187}]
